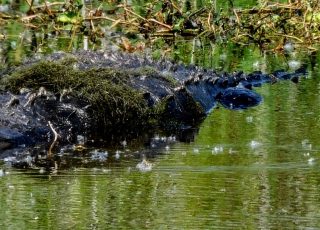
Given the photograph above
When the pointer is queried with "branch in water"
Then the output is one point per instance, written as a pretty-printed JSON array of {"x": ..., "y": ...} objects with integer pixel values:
[{"x": 55, "y": 134}]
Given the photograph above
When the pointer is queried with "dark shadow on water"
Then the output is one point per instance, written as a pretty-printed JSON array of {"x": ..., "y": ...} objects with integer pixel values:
[{"x": 112, "y": 152}]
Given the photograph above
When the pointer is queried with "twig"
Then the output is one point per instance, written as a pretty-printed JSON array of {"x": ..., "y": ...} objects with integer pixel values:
[
  {"x": 72, "y": 37},
  {"x": 237, "y": 17},
  {"x": 160, "y": 23},
  {"x": 100, "y": 17},
  {"x": 290, "y": 36},
  {"x": 176, "y": 7},
  {"x": 47, "y": 8},
  {"x": 29, "y": 3},
  {"x": 135, "y": 14},
  {"x": 200, "y": 11},
  {"x": 55, "y": 134},
  {"x": 115, "y": 23},
  {"x": 28, "y": 18}
]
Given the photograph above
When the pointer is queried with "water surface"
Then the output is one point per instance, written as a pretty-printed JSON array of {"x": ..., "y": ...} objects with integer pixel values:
[{"x": 257, "y": 168}]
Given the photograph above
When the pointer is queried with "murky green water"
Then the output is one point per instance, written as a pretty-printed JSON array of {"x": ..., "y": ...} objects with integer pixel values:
[
  {"x": 252, "y": 169},
  {"x": 257, "y": 168}
]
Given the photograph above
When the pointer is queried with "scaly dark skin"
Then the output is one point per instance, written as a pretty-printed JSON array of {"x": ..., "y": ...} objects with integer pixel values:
[{"x": 95, "y": 94}]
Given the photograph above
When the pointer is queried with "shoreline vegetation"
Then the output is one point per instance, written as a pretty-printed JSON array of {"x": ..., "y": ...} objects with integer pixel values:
[{"x": 269, "y": 25}]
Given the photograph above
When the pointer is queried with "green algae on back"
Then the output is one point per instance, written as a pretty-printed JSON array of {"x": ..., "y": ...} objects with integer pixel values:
[
  {"x": 111, "y": 100},
  {"x": 117, "y": 97}
]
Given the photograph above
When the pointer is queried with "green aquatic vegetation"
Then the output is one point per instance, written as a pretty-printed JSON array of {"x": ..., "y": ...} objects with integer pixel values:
[
  {"x": 112, "y": 101},
  {"x": 270, "y": 25},
  {"x": 108, "y": 92},
  {"x": 69, "y": 17}
]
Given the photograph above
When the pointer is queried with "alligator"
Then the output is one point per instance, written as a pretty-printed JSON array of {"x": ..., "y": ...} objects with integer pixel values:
[{"x": 104, "y": 94}]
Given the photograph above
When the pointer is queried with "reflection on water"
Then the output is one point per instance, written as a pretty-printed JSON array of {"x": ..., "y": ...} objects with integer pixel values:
[{"x": 257, "y": 168}]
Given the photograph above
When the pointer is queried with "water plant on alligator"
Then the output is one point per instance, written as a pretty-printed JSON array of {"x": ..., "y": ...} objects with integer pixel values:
[{"x": 110, "y": 94}]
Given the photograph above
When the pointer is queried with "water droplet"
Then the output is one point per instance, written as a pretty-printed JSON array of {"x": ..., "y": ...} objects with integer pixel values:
[
  {"x": 80, "y": 140},
  {"x": 217, "y": 149},
  {"x": 249, "y": 119},
  {"x": 293, "y": 64},
  {"x": 254, "y": 144},
  {"x": 28, "y": 160},
  {"x": 164, "y": 139},
  {"x": 123, "y": 143},
  {"x": 172, "y": 138},
  {"x": 231, "y": 151},
  {"x": 306, "y": 144},
  {"x": 289, "y": 47},
  {"x": 306, "y": 154},
  {"x": 156, "y": 138},
  {"x": 117, "y": 155},
  {"x": 99, "y": 155},
  {"x": 311, "y": 161},
  {"x": 144, "y": 166}
]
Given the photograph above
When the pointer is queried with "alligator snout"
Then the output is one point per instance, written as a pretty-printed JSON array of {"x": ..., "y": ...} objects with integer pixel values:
[{"x": 239, "y": 98}]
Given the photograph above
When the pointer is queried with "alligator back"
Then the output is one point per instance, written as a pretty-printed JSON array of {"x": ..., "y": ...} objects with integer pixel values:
[{"x": 88, "y": 92}]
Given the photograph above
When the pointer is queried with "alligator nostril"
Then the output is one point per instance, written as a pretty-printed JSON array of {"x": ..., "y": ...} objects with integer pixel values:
[{"x": 295, "y": 79}]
